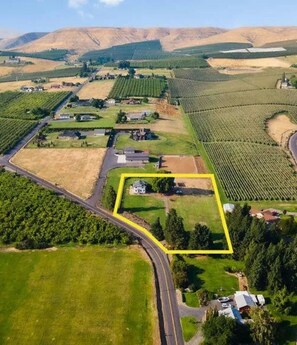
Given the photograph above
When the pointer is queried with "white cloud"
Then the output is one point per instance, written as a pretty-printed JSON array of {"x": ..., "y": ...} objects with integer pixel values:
[
  {"x": 77, "y": 3},
  {"x": 111, "y": 2}
]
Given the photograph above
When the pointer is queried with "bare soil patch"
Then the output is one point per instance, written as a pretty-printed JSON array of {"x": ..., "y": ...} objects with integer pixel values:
[
  {"x": 96, "y": 89},
  {"x": 75, "y": 170},
  {"x": 280, "y": 129},
  {"x": 237, "y": 66},
  {"x": 179, "y": 164}
]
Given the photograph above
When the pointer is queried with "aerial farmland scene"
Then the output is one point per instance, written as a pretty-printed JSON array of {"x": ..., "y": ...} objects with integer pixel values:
[{"x": 148, "y": 172}]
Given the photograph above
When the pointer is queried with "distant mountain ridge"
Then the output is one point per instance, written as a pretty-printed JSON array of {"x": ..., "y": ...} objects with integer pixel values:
[{"x": 95, "y": 38}]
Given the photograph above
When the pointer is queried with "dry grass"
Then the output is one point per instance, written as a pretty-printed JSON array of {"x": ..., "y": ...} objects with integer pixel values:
[
  {"x": 96, "y": 89},
  {"x": 16, "y": 85},
  {"x": 280, "y": 128},
  {"x": 111, "y": 70},
  {"x": 179, "y": 164},
  {"x": 75, "y": 170},
  {"x": 248, "y": 65}
]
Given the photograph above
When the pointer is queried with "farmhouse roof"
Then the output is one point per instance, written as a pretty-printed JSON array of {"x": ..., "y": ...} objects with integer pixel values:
[
  {"x": 139, "y": 184},
  {"x": 70, "y": 134},
  {"x": 228, "y": 208},
  {"x": 244, "y": 299},
  {"x": 138, "y": 156}
]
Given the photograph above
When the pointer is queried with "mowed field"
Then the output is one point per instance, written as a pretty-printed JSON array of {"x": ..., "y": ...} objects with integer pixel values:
[
  {"x": 72, "y": 296},
  {"x": 96, "y": 89},
  {"x": 76, "y": 170}
]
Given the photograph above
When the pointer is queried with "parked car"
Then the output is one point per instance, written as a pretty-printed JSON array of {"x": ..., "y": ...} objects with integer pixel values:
[
  {"x": 226, "y": 305},
  {"x": 223, "y": 299}
]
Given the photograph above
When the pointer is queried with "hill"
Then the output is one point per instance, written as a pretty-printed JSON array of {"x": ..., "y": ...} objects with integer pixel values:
[
  {"x": 24, "y": 39},
  {"x": 86, "y": 39}
]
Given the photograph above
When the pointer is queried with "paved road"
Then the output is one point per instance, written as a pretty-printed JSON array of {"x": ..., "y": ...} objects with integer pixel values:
[
  {"x": 293, "y": 146},
  {"x": 169, "y": 323}
]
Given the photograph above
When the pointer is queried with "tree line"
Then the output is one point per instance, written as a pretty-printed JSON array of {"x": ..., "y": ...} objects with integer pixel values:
[{"x": 34, "y": 217}]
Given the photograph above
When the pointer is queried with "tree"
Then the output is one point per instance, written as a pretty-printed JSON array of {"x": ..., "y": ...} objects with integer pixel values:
[
  {"x": 263, "y": 326},
  {"x": 121, "y": 117},
  {"x": 180, "y": 272},
  {"x": 155, "y": 115},
  {"x": 131, "y": 72},
  {"x": 109, "y": 198},
  {"x": 282, "y": 301},
  {"x": 162, "y": 184},
  {"x": 98, "y": 103},
  {"x": 157, "y": 230},
  {"x": 174, "y": 231},
  {"x": 78, "y": 118},
  {"x": 145, "y": 100},
  {"x": 124, "y": 64},
  {"x": 204, "y": 296},
  {"x": 74, "y": 99},
  {"x": 200, "y": 238}
]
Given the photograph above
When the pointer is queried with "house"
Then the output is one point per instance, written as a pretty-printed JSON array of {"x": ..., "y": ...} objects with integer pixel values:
[
  {"x": 136, "y": 116},
  {"x": 110, "y": 102},
  {"x": 87, "y": 117},
  {"x": 39, "y": 88},
  {"x": 13, "y": 61},
  {"x": 142, "y": 134},
  {"x": 268, "y": 216},
  {"x": 64, "y": 117},
  {"x": 70, "y": 135},
  {"x": 136, "y": 156},
  {"x": 228, "y": 208},
  {"x": 56, "y": 86},
  {"x": 231, "y": 312},
  {"x": 27, "y": 89},
  {"x": 244, "y": 300},
  {"x": 139, "y": 187},
  {"x": 131, "y": 101}
]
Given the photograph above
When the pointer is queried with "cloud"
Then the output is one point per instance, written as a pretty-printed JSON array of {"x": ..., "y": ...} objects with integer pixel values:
[
  {"x": 77, "y": 3},
  {"x": 111, "y": 2}
]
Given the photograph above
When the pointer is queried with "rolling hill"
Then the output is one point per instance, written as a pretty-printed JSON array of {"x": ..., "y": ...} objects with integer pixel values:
[{"x": 86, "y": 39}]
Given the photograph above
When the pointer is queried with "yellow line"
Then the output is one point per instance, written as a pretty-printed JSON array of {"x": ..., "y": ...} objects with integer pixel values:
[{"x": 148, "y": 234}]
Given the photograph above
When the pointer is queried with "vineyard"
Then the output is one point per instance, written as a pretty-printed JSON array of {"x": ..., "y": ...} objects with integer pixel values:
[
  {"x": 174, "y": 62},
  {"x": 53, "y": 54},
  {"x": 11, "y": 131},
  {"x": 252, "y": 172},
  {"x": 242, "y": 124},
  {"x": 56, "y": 73},
  {"x": 132, "y": 51},
  {"x": 228, "y": 114},
  {"x": 148, "y": 87},
  {"x": 235, "y": 99},
  {"x": 19, "y": 105}
]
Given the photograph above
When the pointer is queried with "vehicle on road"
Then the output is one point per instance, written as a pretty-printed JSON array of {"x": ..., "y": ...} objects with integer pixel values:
[{"x": 223, "y": 299}]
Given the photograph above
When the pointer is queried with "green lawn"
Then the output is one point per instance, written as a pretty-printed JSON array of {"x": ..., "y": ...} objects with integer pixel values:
[
  {"x": 190, "y": 327},
  {"x": 198, "y": 209},
  {"x": 209, "y": 273},
  {"x": 191, "y": 299},
  {"x": 76, "y": 296},
  {"x": 167, "y": 143},
  {"x": 52, "y": 137}
]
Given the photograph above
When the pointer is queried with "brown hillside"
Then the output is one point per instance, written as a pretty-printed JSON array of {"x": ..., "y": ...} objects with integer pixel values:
[
  {"x": 257, "y": 36},
  {"x": 85, "y": 39}
]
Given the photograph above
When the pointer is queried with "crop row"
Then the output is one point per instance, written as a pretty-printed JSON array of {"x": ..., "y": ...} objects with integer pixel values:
[
  {"x": 253, "y": 97},
  {"x": 149, "y": 87},
  {"x": 21, "y": 105},
  {"x": 250, "y": 171},
  {"x": 11, "y": 131},
  {"x": 56, "y": 73},
  {"x": 236, "y": 124},
  {"x": 52, "y": 54},
  {"x": 173, "y": 62}
]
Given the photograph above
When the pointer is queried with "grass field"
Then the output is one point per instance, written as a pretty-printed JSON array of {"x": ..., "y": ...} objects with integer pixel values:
[
  {"x": 71, "y": 296},
  {"x": 190, "y": 327},
  {"x": 74, "y": 169},
  {"x": 54, "y": 142},
  {"x": 167, "y": 143}
]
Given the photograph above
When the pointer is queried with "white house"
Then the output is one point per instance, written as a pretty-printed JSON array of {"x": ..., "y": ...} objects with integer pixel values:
[
  {"x": 228, "y": 208},
  {"x": 231, "y": 312},
  {"x": 139, "y": 187},
  {"x": 244, "y": 300},
  {"x": 110, "y": 102}
]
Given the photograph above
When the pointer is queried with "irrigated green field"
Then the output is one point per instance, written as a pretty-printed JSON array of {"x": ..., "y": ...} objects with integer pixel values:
[{"x": 77, "y": 296}]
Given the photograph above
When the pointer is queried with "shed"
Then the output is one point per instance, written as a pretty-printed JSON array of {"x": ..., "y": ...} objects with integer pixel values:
[{"x": 228, "y": 208}]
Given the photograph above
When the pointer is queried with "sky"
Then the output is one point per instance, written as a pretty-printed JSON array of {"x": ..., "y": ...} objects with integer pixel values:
[{"x": 49, "y": 15}]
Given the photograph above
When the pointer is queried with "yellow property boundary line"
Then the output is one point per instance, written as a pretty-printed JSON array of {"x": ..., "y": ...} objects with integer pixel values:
[{"x": 148, "y": 234}]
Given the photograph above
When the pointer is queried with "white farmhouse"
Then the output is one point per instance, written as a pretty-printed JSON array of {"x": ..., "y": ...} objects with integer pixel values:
[{"x": 139, "y": 187}]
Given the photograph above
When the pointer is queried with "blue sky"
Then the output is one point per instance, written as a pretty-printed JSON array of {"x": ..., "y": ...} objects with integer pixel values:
[{"x": 48, "y": 15}]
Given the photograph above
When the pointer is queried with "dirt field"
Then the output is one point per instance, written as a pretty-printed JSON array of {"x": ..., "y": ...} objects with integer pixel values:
[
  {"x": 185, "y": 165},
  {"x": 76, "y": 170},
  {"x": 97, "y": 89},
  {"x": 280, "y": 128},
  {"x": 111, "y": 70},
  {"x": 16, "y": 85},
  {"x": 246, "y": 65}
]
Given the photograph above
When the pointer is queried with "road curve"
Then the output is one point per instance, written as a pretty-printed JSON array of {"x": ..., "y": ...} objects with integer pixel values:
[
  {"x": 170, "y": 328},
  {"x": 293, "y": 146}
]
